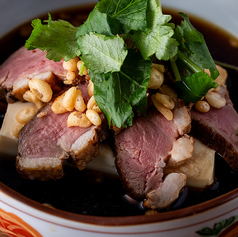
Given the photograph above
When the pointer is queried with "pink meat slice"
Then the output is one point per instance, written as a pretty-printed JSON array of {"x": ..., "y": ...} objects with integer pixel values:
[
  {"x": 24, "y": 64},
  {"x": 142, "y": 152},
  {"x": 45, "y": 143},
  {"x": 218, "y": 129}
]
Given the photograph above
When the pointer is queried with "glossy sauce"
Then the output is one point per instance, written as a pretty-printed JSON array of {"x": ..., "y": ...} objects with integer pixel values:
[{"x": 93, "y": 193}]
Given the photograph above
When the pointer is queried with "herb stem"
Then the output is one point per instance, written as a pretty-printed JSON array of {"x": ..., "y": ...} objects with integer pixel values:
[
  {"x": 81, "y": 69},
  {"x": 159, "y": 3},
  {"x": 227, "y": 66},
  {"x": 188, "y": 62},
  {"x": 175, "y": 70}
]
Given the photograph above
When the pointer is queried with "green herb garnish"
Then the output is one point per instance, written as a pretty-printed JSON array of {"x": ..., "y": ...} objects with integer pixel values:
[
  {"x": 58, "y": 38},
  {"x": 120, "y": 74},
  {"x": 194, "y": 55},
  {"x": 120, "y": 92}
]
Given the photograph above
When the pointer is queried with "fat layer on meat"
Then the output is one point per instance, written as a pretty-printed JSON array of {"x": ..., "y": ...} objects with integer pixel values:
[
  {"x": 143, "y": 149},
  {"x": 24, "y": 65},
  {"x": 45, "y": 144},
  {"x": 167, "y": 192}
]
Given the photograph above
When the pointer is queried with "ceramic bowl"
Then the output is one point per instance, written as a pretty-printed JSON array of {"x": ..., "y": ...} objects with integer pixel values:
[{"x": 21, "y": 216}]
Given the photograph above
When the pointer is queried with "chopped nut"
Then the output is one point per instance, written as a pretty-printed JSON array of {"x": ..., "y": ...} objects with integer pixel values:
[
  {"x": 16, "y": 130},
  {"x": 57, "y": 106},
  {"x": 41, "y": 114},
  {"x": 202, "y": 106},
  {"x": 30, "y": 97},
  {"x": 168, "y": 114},
  {"x": 92, "y": 104},
  {"x": 25, "y": 115},
  {"x": 69, "y": 98},
  {"x": 71, "y": 65},
  {"x": 159, "y": 67},
  {"x": 70, "y": 76},
  {"x": 41, "y": 89},
  {"x": 78, "y": 119},
  {"x": 167, "y": 90},
  {"x": 90, "y": 88},
  {"x": 79, "y": 102},
  {"x": 156, "y": 79},
  {"x": 165, "y": 100},
  {"x": 215, "y": 100},
  {"x": 93, "y": 117}
]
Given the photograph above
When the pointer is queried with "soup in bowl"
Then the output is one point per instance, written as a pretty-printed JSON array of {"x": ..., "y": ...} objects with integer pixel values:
[{"x": 93, "y": 202}]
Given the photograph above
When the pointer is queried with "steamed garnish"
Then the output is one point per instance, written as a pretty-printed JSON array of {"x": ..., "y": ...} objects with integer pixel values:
[{"x": 121, "y": 70}]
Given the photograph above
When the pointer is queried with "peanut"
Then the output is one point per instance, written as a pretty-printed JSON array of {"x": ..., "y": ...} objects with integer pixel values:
[
  {"x": 41, "y": 89},
  {"x": 79, "y": 102},
  {"x": 92, "y": 104},
  {"x": 215, "y": 99},
  {"x": 30, "y": 97},
  {"x": 94, "y": 117},
  {"x": 168, "y": 114},
  {"x": 78, "y": 119},
  {"x": 69, "y": 98},
  {"x": 202, "y": 106},
  {"x": 25, "y": 115},
  {"x": 90, "y": 88},
  {"x": 71, "y": 65},
  {"x": 165, "y": 100},
  {"x": 156, "y": 79}
]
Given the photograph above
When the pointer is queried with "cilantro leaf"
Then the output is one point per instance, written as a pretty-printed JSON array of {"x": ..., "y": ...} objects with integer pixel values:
[
  {"x": 121, "y": 76},
  {"x": 101, "y": 23},
  {"x": 193, "y": 55},
  {"x": 102, "y": 54},
  {"x": 131, "y": 13},
  {"x": 195, "y": 86},
  {"x": 58, "y": 38},
  {"x": 118, "y": 93},
  {"x": 157, "y": 38},
  {"x": 107, "y": 93},
  {"x": 193, "y": 44},
  {"x": 135, "y": 74}
]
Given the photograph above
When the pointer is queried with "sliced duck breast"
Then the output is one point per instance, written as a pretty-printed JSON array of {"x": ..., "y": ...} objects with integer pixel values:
[
  {"x": 45, "y": 143},
  {"x": 218, "y": 128},
  {"x": 143, "y": 150},
  {"x": 24, "y": 65}
]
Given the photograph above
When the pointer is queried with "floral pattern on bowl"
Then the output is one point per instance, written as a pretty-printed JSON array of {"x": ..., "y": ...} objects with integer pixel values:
[{"x": 13, "y": 225}]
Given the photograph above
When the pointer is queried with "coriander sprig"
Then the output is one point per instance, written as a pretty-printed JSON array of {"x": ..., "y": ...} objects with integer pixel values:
[{"x": 120, "y": 75}]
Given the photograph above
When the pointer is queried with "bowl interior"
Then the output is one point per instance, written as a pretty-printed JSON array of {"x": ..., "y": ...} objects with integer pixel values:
[{"x": 93, "y": 197}]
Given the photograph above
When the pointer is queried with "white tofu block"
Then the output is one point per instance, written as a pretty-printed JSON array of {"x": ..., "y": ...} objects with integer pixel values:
[
  {"x": 105, "y": 161},
  {"x": 8, "y": 143},
  {"x": 199, "y": 168}
]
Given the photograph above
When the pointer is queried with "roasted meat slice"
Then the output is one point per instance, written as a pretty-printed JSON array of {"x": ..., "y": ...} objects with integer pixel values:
[
  {"x": 218, "y": 128},
  {"x": 24, "y": 65},
  {"x": 46, "y": 142},
  {"x": 143, "y": 149}
]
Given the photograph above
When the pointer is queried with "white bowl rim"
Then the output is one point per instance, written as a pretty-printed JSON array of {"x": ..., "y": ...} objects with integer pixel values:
[
  {"x": 123, "y": 220},
  {"x": 120, "y": 221}
]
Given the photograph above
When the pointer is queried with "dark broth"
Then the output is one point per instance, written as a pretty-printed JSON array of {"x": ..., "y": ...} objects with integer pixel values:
[{"x": 93, "y": 193}]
